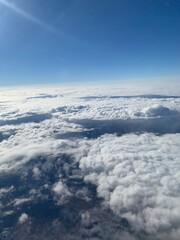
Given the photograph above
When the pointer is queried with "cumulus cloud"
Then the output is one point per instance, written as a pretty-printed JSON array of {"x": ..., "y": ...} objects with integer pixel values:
[
  {"x": 67, "y": 145},
  {"x": 138, "y": 177},
  {"x": 156, "y": 111},
  {"x": 23, "y": 218},
  {"x": 36, "y": 172},
  {"x": 61, "y": 189}
]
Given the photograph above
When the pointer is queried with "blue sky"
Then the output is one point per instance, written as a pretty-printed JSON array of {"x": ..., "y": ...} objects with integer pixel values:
[{"x": 61, "y": 41}]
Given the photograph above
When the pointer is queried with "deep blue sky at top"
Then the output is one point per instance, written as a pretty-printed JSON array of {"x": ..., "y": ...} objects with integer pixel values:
[{"x": 57, "y": 41}]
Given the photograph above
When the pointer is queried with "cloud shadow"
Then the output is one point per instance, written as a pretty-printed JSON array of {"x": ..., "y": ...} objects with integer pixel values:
[
  {"x": 148, "y": 96},
  {"x": 96, "y": 128},
  {"x": 33, "y": 117}
]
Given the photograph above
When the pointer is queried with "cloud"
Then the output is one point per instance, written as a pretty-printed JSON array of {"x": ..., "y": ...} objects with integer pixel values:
[
  {"x": 23, "y": 218},
  {"x": 6, "y": 190},
  {"x": 36, "y": 172},
  {"x": 138, "y": 178},
  {"x": 21, "y": 201},
  {"x": 102, "y": 167},
  {"x": 61, "y": 191},
  {"x": 156, "y": 111}
]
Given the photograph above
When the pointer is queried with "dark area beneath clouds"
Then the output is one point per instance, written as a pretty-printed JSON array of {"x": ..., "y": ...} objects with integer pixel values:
[
  {"x": 160, "y": 126},
  {"x": 43, "y": 96},
  {"x": 7, "y": 134},
  {"x": 50, "y": 216},
  {"x": 149, "y": 96},
  {"x": 37, "y": 118}
]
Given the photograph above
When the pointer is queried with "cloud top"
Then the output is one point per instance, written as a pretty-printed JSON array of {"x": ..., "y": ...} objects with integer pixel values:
[{"x": 103, "y": 166}]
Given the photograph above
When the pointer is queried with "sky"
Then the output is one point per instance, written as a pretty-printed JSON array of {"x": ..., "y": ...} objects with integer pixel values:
[{"x": 69, "y": 41}]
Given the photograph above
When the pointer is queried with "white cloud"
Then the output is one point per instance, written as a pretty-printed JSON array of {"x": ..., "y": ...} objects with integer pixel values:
[
  {"x": 20, "y": 201},
  {"x": 36, "y": 172},
  {"x": 61, "y": 192},
  {"x": 23, "y": 218},
  {"x": 6, "y": 190},
  {"x": 137, "y": 175},
  {"x": 156, "y": 110},
  {"x": 60, "y": 189}
]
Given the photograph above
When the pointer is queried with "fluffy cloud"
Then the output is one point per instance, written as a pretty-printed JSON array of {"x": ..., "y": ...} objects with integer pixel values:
[
  {"x": 23, "y": 218},
  {"x": 65, "y": 145},
  {"x": 61, "y": 190},
  {"x": 156, "y": 111},
  {"x": 138, "y": 176}
]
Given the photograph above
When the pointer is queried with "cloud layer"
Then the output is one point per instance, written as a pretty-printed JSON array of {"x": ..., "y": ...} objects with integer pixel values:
[
  {"x": 138, "y": 176},
  {"x": 97, "y": 163}
]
